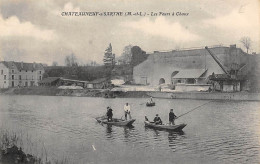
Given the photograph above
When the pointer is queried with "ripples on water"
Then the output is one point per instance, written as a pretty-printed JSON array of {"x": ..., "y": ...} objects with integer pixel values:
[{"x": 219, "y": 132}]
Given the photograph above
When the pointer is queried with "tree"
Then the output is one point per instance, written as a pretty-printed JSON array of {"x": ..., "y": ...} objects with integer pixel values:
[
  {"x": 246, "y": 42},
  {"x": 54, "y": 63},
  {"x": 127, "y": 54},
  {"x": 109, "y": 57},
  {"x": 71, "y": 60}
]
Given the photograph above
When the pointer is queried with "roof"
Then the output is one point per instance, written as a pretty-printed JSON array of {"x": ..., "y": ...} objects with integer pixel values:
[
  {"x": 189, "y": 73},
  {"x": 72, "y": 80},
  {"x": 49, "y": 79},
  {"x": 223, "y": 77},
  {"x": 100, "y": 80},
  {"x": 23, "y": 66}
]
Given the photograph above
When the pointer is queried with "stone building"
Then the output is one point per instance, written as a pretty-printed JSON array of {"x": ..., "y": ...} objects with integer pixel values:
[
  {"x": 20, "y": 74},
  {"x": 190, "y": 66}
]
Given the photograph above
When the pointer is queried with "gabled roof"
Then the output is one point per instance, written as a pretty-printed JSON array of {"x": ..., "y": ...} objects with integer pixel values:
[
  {"x": 23, "y": 66},
  {"x": 189, "y": 73},
  {"x": 49, "y": 80},
  {"x": 100, "y": 80}
]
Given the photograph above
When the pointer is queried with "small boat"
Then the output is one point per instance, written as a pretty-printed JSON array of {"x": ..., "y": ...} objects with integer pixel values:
[
  {"x": 150, "y": 104},
  {"x": 117, "y": 122},
  {"x": 165, "y": 127}
]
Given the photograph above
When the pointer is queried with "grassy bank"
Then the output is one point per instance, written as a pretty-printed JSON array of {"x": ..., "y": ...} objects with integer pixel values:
[{"x": 12, "y": 151}]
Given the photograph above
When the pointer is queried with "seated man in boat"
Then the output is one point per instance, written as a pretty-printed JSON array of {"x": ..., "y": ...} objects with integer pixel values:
[
  {"x": 172, "y": 117},
  {"x": 157, "y": 120},
  {"x": 146, "y": 119},
  {"x": 109, "y": 114}
]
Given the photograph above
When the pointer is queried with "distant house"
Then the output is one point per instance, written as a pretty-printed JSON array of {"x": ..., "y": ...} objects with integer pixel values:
[
  {"x": 50, "y": 81},
  {"x": 20, "y": 74},
  {"x": 98, "y": 83}
]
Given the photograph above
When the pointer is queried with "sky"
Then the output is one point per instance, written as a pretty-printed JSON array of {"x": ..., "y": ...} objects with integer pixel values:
[{"x": 36, "y": 31}]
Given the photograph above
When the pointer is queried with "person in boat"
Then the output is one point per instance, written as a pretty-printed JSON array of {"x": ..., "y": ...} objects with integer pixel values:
[
  {"x": 172, "y": 117},
  {"x": 127, "y": 109},
  {"x": 157, "y": 120},
  {"x": 109, "y": 114},
  {"x": 145, "y": 118},
  {"x": 151, "y": 100}
]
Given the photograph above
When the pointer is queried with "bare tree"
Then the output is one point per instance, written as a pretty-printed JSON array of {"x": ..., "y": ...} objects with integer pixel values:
[
  {"x": 71, "y": 60},
  {"x": 246, "y": 42},
  {"x": 54, "y": 63}
]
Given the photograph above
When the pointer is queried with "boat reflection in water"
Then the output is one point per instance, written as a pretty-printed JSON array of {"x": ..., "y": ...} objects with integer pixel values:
[
  {"x": 110, "y": 133},
  {"x": 173, "y": 138}
]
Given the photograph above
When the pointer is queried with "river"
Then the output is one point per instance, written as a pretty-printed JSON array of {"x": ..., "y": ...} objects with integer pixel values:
[{"x": 65, "y": 128}]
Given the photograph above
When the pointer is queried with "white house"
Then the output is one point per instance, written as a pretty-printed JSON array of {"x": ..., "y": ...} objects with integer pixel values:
[{"x": 13, "y": 74}]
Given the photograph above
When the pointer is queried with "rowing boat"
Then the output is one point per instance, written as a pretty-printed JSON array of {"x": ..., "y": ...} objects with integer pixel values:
[
  {"x": 115, "y": 121},
  {"x": 165, "y": 127},
  {"x": 150, "y": 104}
]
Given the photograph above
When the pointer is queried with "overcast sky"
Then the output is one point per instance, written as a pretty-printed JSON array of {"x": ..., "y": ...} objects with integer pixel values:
[{"x": 35, "y": 30}]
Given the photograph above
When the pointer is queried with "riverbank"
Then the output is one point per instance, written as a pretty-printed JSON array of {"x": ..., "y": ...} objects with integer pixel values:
[
  {"x": 12, "y": 151},
  {"x": 54, "y": 91},
  {"x": 241, "y": 96}
]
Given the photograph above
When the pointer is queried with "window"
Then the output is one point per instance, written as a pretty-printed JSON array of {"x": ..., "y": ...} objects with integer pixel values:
[
  {"x": 25, "y": 70},
  {"x": 40, "y": 72},
  {"x": 12, "y": 77},
  {"x": 26, "y": 77},
  {"x": 20, "y": 70},
  {"x": 32, "y": 70},
  {"x": 4, "y": 81},
  {"x": 2, "y": 72},
  {"x": 20, "y": 77},
  {"x": 40, "y": 77},
  {"x": 12, "y": 71},
  {"x": 32, "y": 77},
  {"x": 5, "y": 77}
]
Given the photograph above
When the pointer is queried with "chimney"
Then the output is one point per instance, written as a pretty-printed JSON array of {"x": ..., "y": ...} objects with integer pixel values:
[{"x": 22, "y": 64}]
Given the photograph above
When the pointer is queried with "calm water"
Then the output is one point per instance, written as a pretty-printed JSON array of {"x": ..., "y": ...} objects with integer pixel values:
[{"x": 219, "y": 132}]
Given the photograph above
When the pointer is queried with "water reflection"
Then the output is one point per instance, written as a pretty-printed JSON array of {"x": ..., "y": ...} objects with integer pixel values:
[
  {"x": 173, "y": 139},
  {"x": 113, "y": 130},
  {"x": 109, "y": 131},
  {"x": 127, "y": 131}
]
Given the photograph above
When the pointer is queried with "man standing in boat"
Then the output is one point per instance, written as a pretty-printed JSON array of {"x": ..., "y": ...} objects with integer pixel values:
[
  {"x": 172, "y": 117},
  {"x": 127, "y": 109},
  {"x": 109, "y": 114}
]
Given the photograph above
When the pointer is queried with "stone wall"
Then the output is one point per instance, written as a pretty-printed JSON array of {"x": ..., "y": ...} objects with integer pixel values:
[{"x": 162, "y": 64}]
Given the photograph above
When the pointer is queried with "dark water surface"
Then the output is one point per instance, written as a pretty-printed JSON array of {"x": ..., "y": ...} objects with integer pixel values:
[{"x": 218, "y": 132}]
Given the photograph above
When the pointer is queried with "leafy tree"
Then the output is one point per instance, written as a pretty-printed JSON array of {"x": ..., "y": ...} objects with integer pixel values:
[
  {"x": 109, "y": 57},
  {"x": 127, "y": 54},
  {"x": 246, "y": 42}
]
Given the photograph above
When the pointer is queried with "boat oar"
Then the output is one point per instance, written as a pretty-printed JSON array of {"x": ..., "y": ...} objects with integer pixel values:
[{"x": 193, "y": 109}]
